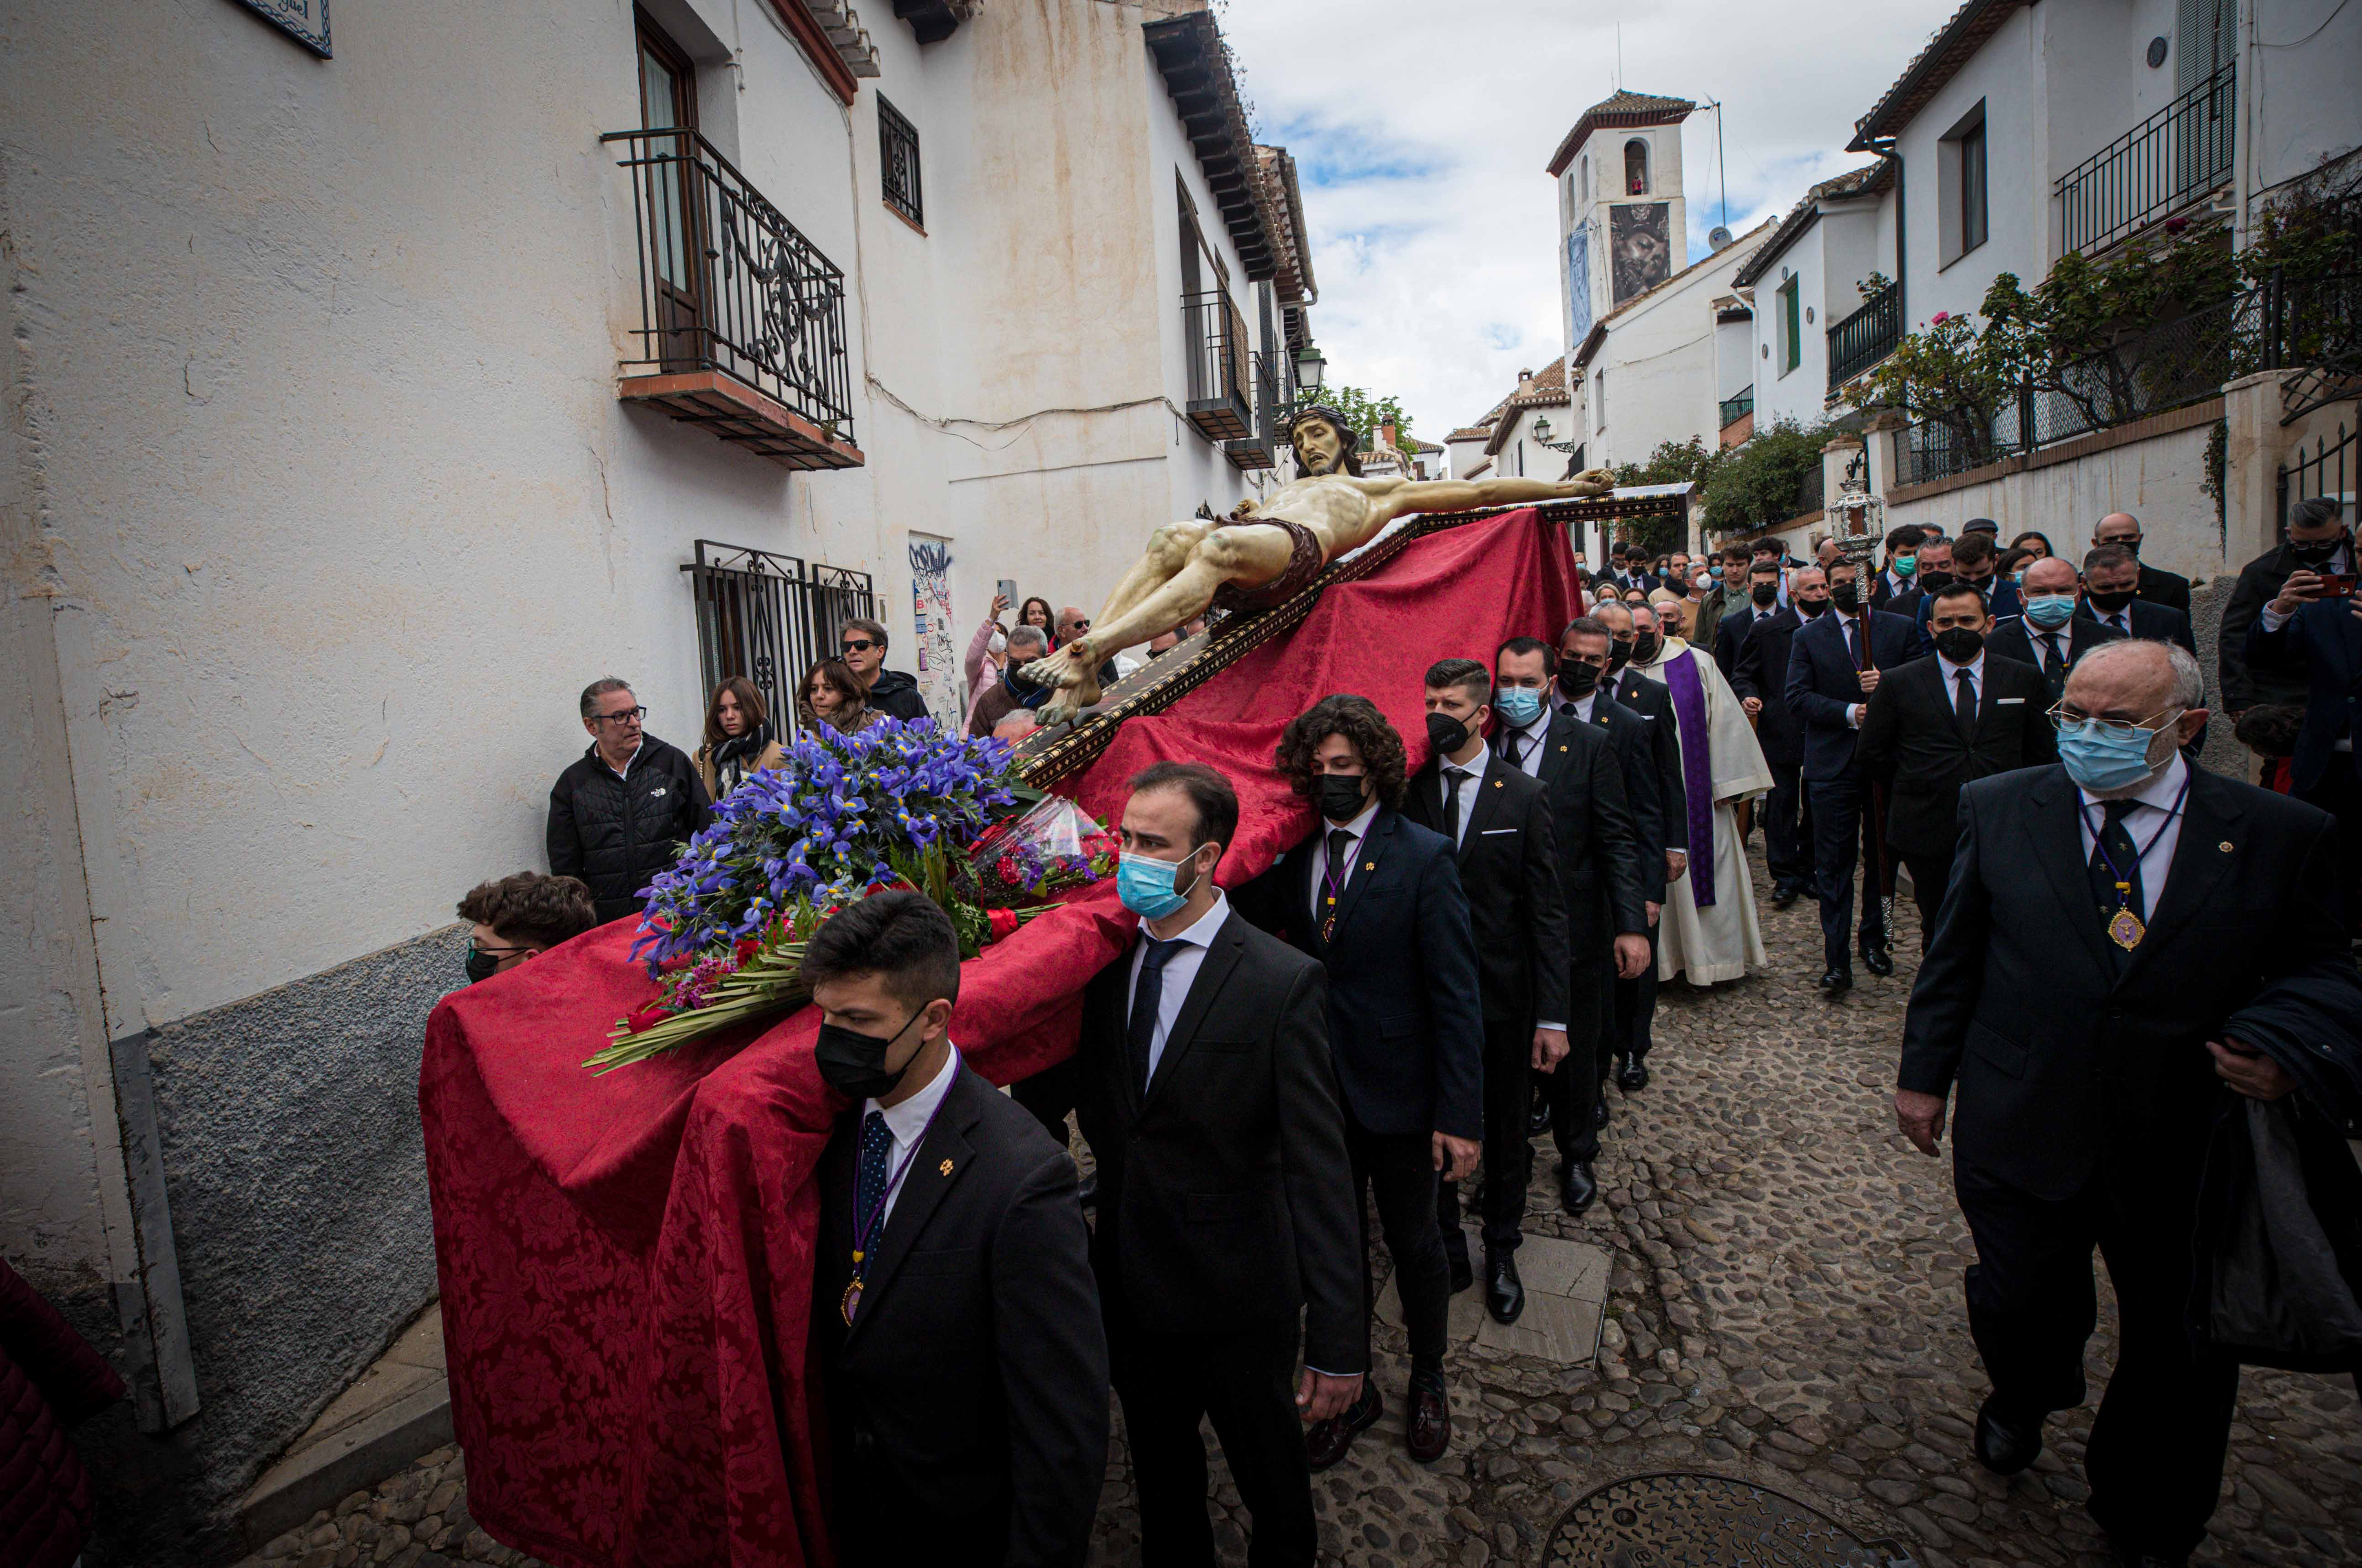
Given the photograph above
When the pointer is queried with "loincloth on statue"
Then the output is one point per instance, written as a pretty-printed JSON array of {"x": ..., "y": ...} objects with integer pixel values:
[{"x": 1305, "y": 559}]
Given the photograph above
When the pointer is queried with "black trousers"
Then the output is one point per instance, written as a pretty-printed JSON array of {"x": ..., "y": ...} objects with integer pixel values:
[
  {"x": 1397, "y": 1170},
  {"x": 1572, "y": 1092},
  {"x": 1844, "y": 835},
  {"x": 1930, "y": 874},
  {"x": 1784, "y": 852},
  {"x": 2155, "y": 1460},
  {"x": 1509, "y": 1158},
  {"x": 2339, "y": 792},
  {"x": 1050, "y": 1094},
  {"x": 1634, "y": 1009},
  {"x": 1244, "y": 1383}
]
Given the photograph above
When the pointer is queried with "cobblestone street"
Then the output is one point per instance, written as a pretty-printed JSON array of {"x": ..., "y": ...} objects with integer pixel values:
[{"x": 1783, "y": 1307}]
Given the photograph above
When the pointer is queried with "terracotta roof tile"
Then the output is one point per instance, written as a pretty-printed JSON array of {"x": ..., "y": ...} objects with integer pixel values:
[{"x": 1619, "y": 108}]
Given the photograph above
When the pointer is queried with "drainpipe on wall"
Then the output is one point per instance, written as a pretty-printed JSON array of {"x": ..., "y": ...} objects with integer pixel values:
[{"x": 1891, "y": 148}]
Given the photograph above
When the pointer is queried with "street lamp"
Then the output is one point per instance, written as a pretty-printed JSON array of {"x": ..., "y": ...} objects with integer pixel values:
[
  {"x": 1309, "y": 368},
  {"x": 1543, "y": 434}
]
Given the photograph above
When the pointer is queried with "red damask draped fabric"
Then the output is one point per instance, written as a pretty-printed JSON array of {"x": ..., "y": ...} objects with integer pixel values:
[{"x": 626, "y": 1261}]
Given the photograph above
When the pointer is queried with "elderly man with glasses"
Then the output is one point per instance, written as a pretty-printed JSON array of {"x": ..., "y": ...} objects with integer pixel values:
[
  {"x": 617, "y": 815},
  {"x": 2111, "y": 926}
]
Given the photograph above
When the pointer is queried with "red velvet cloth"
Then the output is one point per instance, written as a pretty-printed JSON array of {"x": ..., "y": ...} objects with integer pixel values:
[{"x": 626, "y": 1261}]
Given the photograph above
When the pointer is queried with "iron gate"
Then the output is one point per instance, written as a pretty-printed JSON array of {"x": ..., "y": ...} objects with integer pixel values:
[
  {"x": 770, "y": 618},
  {"x": 2328, "y": 471}
]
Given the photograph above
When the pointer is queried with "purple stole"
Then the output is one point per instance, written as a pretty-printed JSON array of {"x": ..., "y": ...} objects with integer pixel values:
[{"x": 1697, "y": 773}]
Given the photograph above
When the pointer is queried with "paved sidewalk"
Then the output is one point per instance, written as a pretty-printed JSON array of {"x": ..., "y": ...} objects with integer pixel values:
[{"x": 1780, "y": 1280}]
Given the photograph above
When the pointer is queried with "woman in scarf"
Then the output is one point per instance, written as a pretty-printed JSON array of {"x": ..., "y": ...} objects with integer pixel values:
[
  {"x": 739, "y": 741},
  {"x": 831, "y": 700}
]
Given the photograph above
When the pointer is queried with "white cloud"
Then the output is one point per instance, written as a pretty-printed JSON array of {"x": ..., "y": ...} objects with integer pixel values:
[{"x": 1423, "y": 135}]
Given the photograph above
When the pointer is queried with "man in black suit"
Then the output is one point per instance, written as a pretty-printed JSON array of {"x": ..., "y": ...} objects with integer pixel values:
[
  {"x": 1761, "y": 679},
  {"x": 1762, "y": 602},
  {"x": 2168, "y": 589},
  {"x": 954, "y": 1323},
  {"x": 2049, "y": 633},
  {"x": 2318, "y": 541},
  {"x": 1635, "y": 572},
  {"x": 2111, "y": 576},
  {"x": 1592, "y": 757},
  {"x": 1634, "y": 633},
  {"x": 1835, "y": 664},
  {"x": 1933, "y": 725},
  {"x": 1377, "y": 899},
  {"x": 1226, "y": 1196},
  {"x": 2318, "y": 633},
  {"x": 2102, "y": 922},
  {"x": 1900, "y": 580},
  {"x": 1498, "y": 820}
]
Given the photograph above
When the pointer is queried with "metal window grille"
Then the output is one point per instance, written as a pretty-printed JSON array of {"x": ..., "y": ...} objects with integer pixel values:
[
  {"x": 769, "y": 618},
  {"x": 2177, "y": 156},
  {"x": 1811, "y": 490},
  {"x": 1215, "y": 335},
  {"x": 898, "y": 163},
  {"x": 1737, "y": 406},
  {"x": 727, "y": 283},
  {"x": 1862, "y": 340},
  {"x": 2328, "y": 471}
]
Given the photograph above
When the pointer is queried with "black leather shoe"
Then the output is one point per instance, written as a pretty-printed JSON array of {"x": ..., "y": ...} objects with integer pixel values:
[
  {"x": 1537, "y": 1118},
  {"x": 1599, "y": 1112},
  {"x": 1781, "y": 897},
  {"x": 2006, "y": 1445},
  {"x": 1633, "y": 1078},
  {"x": 1875, "y": 956},
  {"x": 1427, "y": 1430},
  {"x": 1463, "y": 1276},
  {"x": 1836, "y": 981},
  {"x": 1087, "y": 1193},
  {"x": 1327, "y": 1443},
  {"x": 1577, "y": 1189},
  {"x": 1504, "y": 1293}
]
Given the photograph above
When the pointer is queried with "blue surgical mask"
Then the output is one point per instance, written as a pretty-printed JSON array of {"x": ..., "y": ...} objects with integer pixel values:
[
  {"x": 2051, "y": 611},
  {"x": 2103, "y": 758},
  {"x": 1145, "y": 886},
  {"x": 1518, "y": 705}
]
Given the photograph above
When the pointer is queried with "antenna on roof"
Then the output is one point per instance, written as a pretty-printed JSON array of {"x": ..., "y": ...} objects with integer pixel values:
[
  {"x": 1722, "y": 176},
  {"x": 1619, "y": 54}
]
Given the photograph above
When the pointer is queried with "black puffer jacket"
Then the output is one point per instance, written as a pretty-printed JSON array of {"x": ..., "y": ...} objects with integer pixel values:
[
  {"x": 897, "y": 696},
  {"x": 616, "y": 833}
]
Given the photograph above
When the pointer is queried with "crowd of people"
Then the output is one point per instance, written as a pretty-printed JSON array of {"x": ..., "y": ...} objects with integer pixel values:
[{"x": 1461, "y": 956}]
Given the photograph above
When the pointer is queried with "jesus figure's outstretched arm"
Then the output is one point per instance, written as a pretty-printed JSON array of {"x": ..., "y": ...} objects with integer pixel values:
[{"x": 1397, "y": 497}]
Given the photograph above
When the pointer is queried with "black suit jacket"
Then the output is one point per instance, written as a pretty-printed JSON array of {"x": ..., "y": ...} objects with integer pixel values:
[
  {"x": 1761, "y": 672},
  {"x": 2323, "y": 641},
  {"x": 1405, "y": 1022},
  {"x": 1654, "y": 704},
  {"x": 1730, "y": 637},
  {"x": 2243, "y": 687},
  {"x": 2014, "y": 639},
  {"x": 1605, "y": 860},
  {"x": 1911, "y": 741},
  {"x": 968, "y": 1402},
  {"x": 1225, "y": 1198},
  {"x": 2067, "y": 1060},
  {"x": 1824, "y": 684},
  {"x": 2157, "y": 622},
  {"x": 2168, "y": 589},
  {"x": 1508, "y": 865},
  {"x": 1907, "y": 603}
]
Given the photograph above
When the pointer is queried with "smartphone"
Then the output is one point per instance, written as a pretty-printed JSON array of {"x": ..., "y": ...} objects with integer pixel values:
[
  {"x": 2336, "y": 584},
  {"x": 1007, "y": 589}
]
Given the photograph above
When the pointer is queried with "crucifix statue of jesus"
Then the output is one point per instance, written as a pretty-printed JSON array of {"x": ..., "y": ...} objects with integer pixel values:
[{"x": 1266, "y": 551}]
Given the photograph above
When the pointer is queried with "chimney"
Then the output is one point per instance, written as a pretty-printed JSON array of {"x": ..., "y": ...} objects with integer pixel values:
[{"x": 1387, "y": 433}]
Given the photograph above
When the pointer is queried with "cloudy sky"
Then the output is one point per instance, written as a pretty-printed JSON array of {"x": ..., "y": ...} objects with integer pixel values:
[{"x": 1423, "y": 134}]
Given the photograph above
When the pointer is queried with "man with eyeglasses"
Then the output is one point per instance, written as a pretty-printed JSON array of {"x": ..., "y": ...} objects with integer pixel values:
[
  {"x": 862, "y": 646},
  {"x": 2116, "y": 934},
  {"x": 618, "y": 814}
]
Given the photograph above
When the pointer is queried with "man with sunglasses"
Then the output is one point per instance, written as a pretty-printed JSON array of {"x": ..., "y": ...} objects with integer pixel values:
[
  {"x": 862, "y": 646},
  {"x": 618, "y": 814},
  {"x": 2108, "y": 923}
]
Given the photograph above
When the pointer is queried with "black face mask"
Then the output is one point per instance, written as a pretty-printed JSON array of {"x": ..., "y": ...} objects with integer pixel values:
[
  {"x": 1619, "y": 652},
  {"x": 1808, "y": 608},
  {"x": 1578, "y": 680},
  {"x": 2319, "y": 555},
  {"x": 482, "y": 966},
  {"x": 2109, "y": 603},
  {"x": 1959, "y": 644},
  {"x": 1446, "y": 734},
  {"x": 1645, "y": 646},
  {"x": 1935, "y": 581},
  {"x": 1340, "y": 796},
  {"x": 1846, "y": 596},
  {"x": 854, "y": 1064},
  {"x": 1765, "y": 593}
]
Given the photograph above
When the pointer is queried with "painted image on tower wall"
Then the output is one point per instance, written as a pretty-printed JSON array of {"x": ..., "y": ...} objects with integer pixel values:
[
  {"x": 1641, "y": 246},
  {"x": 1578, "y": 287}
]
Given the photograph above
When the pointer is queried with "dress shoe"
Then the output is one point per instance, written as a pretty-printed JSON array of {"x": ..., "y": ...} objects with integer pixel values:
[
  {"x": 1325, "y": 1444},
  {"x": 1504, "y": 1293},
  {"x": 1836, "y": 981},
  {"x": 1537, "y": 1118},
  {"x": 1875, "y": 956},
  {"x": 1782, "y": 896},
  {"x": 1577, "y": 1189},
  {"x": 1633, "y": 1078},
  {"x": 1463, "y": 1276},
  {"x": 1428, "y": 1432},
  {"x": 1087, "y": 1192},
  {"x": 2006, "y": 1445}
]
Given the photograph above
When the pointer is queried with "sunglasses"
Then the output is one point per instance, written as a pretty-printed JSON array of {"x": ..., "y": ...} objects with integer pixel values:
[{"x": 858, "y": 644}]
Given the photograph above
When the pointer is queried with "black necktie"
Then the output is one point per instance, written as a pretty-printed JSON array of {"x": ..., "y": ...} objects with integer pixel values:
[
  {"x": 1146, "y": 992},
  {"x": 2050, "y": 656},
  {"x": 1853, "y": 640},
  {"x": 1964, "y": 703},
  {"x": 869, "y": 1173},
  {"x": 2116, "y": 842},
  {"x": 1453, "y": 778},
  {"x": 1513, "y": 748}
]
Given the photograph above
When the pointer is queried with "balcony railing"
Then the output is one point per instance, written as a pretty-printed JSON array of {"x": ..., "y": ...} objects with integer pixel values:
[
  {"x": 2175, "y": 156},
  {"x": 1215, "y": 336},
  {"x": 742, "y": 319},
  {"x": 1260, "y": 451},
  {"x": 1737, "y": 406},
  {"x": 1865, "y": 338}
]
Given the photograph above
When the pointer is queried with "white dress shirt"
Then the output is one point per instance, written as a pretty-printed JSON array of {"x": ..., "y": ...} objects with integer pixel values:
[
  {"x": 1360, "y": 828},
  {"x": 1474, "y": 771},
  {"x": 1180, "y": 973},
  {"x": 624, "y": 771},
  {"x": 1529, "y": 742},
  {"x": 907, "y": 1122},
  {"x": 2160, "y": 815},
  {"x": 1580, "y": 709},
  {"x": 1976, "y": 669}
]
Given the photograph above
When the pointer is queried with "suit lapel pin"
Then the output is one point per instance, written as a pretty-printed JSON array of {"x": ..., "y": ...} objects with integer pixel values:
[
  {"x": 2224, "y": 846},
  {"x": 1369, "y": 865},
  {"x": 1496, "y": 783},
  {"x": 944, "y": 1169}
]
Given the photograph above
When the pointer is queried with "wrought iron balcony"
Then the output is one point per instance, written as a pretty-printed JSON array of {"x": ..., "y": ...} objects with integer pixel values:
[
  {"x": 1215, "y": 337},
  {"x": 742, "y": 319},
  {"x": 1868, "y": 336},
  {"x": 2177, "y": 156},
  {"x": 1261, "y": 449},
  {"x": 1737, "y": 406}
]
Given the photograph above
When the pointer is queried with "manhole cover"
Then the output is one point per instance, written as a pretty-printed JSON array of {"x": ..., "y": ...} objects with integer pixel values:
[{"x": 1705, "y": 1521}]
